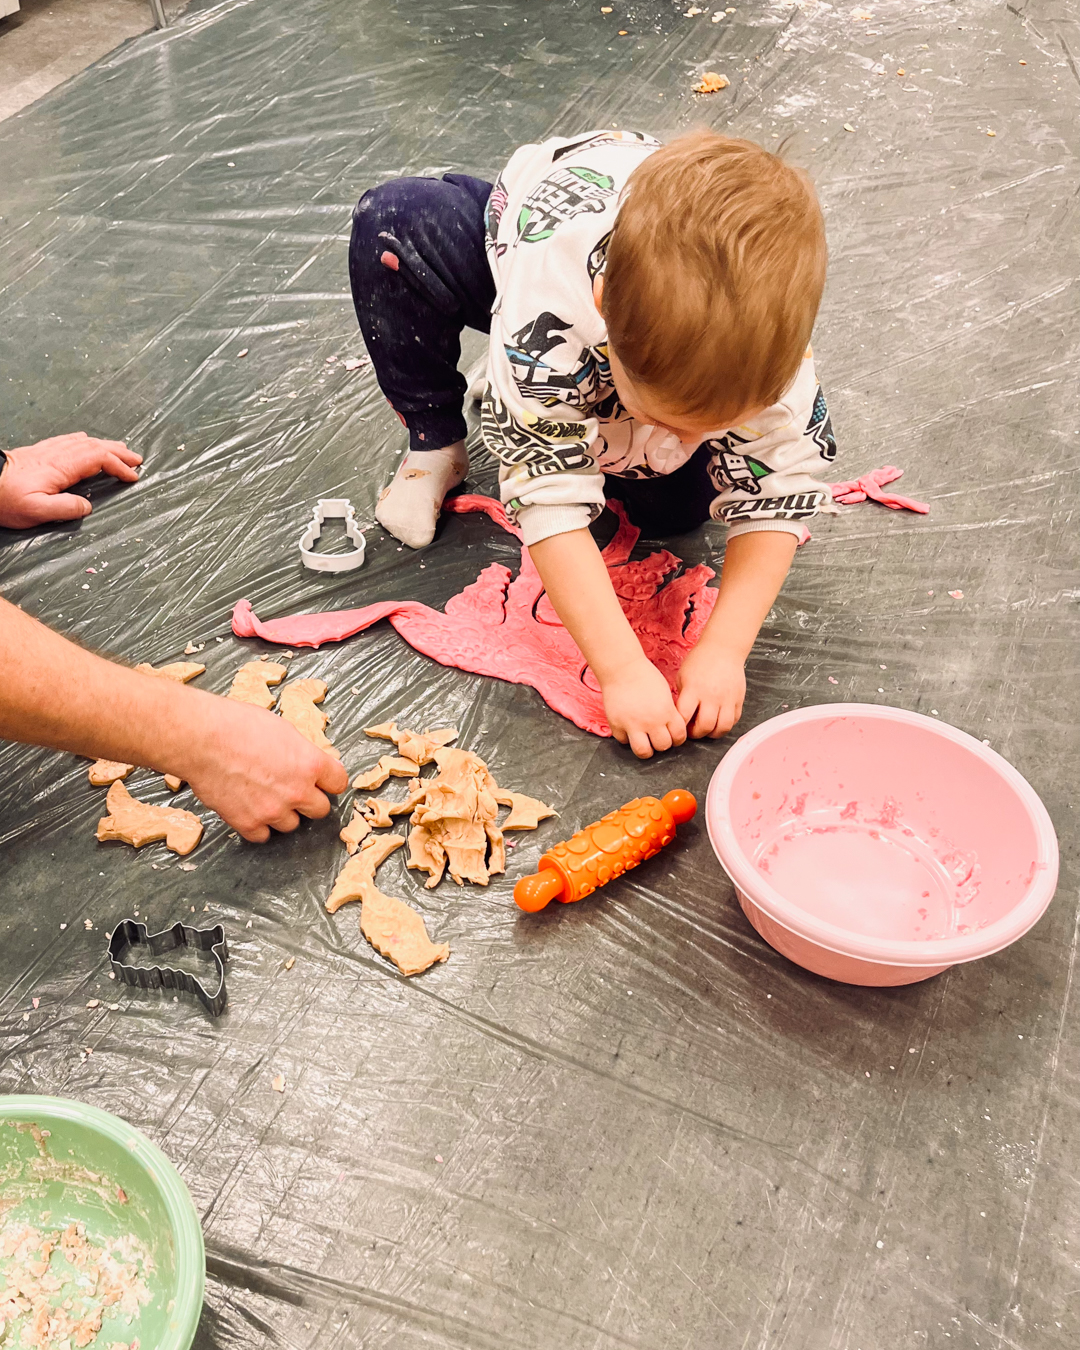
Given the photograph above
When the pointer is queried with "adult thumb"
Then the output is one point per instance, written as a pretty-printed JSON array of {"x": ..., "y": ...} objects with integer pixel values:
[
  {"x": 333, "y": 776},
  {"x": 59, "y": 506}
]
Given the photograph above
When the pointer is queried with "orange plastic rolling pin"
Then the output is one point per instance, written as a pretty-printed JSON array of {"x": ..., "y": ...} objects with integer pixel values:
[{"x": 606, "y": 849}]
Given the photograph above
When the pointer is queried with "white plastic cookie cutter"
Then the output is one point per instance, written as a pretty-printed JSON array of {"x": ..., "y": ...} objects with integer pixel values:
[{"x": 332, "y": 508}]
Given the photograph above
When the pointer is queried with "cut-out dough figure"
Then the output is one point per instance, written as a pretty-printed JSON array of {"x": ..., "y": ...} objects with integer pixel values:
[
  {"x": 180, "y": 671},
  {"x": 251, "y": 681},
  {"x": 392, "y": 928},
  {"x": 298, "y": 705},
  {"x": 139, "y": 823}
]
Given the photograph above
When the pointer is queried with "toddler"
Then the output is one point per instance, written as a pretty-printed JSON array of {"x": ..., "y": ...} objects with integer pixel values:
[{"x": 650, "y": 309}]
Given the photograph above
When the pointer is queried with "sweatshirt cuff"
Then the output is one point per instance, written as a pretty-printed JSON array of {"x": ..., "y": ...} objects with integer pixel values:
[
  {"x": 795, "y": 527},
  {"x": 541, "y": 521}
]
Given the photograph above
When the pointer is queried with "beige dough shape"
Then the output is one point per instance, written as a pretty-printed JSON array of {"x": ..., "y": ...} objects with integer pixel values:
[
  {"x": 105, "y": 771},
  {"x": 389, "y": 766},
  {"x": 358, "y": 874},
  {"x": 173, "y": 783},
  {"x": 398, "y": 933},
  {"x": 297, "y": 705},
  {"x": 525, "y": 812},
  {"x": 138, "y": 823},
  {"x": 392, "y": 928},
  {"x": 251, "y": 680},
  {"x": 180, "y": 671},
  {"x": 357, "y": 830}
]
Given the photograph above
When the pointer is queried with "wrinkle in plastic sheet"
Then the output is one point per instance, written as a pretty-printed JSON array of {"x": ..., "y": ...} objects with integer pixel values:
[{"x": 627, "y": 1123}]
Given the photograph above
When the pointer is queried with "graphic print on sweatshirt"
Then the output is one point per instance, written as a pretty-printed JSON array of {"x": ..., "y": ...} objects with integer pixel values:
[
  {"x": 820, "y": 429},
  {"x": 536, "y": 378},
  {"x": 731, "y": 469},
  {"x": 493, "y": 214},
  {"x": 612, "y": 137},
  {"x": 543, "y": 444},
  {"x": 562, "y": 195}
]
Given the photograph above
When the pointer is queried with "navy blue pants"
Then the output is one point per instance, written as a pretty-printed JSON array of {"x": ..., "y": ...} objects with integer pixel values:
[{"x": 419, "y": 275}]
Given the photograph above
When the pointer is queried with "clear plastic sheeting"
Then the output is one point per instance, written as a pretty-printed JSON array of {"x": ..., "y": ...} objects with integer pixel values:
[{"x": 626, "y": 1122}]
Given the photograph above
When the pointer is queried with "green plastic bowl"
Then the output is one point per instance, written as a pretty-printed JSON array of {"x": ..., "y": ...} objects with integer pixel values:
[{"x": 72, "y": 1174}]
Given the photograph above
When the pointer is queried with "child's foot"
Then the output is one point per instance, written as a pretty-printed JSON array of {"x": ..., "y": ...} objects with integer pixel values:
[{"x": 409, "y": 506}]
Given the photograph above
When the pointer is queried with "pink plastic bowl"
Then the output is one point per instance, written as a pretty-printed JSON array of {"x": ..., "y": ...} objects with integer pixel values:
[{"x": 876, "y": 846}]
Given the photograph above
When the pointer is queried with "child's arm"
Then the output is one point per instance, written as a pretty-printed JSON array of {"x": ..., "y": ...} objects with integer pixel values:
[
  {"x": 712, "y": 681},
  {"x": 637, "y": 699}
]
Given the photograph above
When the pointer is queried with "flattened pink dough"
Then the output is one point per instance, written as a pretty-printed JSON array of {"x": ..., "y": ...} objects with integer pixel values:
[{"x": 490, "y": 628}]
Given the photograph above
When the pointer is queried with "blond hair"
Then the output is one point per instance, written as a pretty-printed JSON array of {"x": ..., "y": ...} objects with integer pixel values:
[{"x": 714, "y": 275}]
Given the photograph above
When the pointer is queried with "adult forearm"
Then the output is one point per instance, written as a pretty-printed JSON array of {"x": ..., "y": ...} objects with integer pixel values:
[
  {"x": 755, "y": 566},
  {"x": 57, "y": 694},
  {"x": 578, "y": 586}
]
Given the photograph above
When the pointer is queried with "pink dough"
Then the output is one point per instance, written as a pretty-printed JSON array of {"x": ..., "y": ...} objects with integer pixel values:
[
  {"x": 508, "y": 629},
  {"x": 870, "y": 485}
]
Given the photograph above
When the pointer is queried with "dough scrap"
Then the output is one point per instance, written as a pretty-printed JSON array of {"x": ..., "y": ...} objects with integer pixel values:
[
  {"x": 104, "y": 772},
  {"x": 357, "y": 830},
  {"x": 526, "y": 813},
  {"x": 173, "y": 783},
  {"x": 139, "y": 823},
  {"x": 426, "y": 854},
  {"x": 417, "y": 746},
  {"x": 298, "y": 705},
  {"x": 454, "y": 814},
  {"x": 180, "y": 671},
  {"x": 389, "y": 766},
  {"x": 251, "y": 681}
]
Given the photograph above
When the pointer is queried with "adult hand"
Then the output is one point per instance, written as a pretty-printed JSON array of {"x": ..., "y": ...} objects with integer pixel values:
[
  {"x": 711, "y": 687},
  {"x": 35, "y": 479},
  {"x": 641, "y": 711},
  {"x": 256, "y": 771}
]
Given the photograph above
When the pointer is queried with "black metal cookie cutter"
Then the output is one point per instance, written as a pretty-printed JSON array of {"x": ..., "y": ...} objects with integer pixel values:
[{"x": 131, "y": 933}]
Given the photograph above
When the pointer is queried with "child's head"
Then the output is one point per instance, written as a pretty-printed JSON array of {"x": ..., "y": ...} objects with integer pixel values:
[{"x": 713, "y": 278}]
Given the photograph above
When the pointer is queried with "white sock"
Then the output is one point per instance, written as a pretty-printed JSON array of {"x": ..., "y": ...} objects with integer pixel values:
[{"x": 410, "y": 504}]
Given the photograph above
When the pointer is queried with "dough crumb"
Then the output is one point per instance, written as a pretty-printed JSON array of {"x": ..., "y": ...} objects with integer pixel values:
[
  {"x": 711, "y": 83},
  {"x": 278, "y": 1082}
]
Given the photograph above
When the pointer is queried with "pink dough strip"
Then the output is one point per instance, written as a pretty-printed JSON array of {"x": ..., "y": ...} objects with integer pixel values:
[{"x": 870, "y": 485}]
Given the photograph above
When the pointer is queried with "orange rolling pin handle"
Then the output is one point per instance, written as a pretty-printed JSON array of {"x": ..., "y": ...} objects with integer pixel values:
[{"x": 605, "y": 849}]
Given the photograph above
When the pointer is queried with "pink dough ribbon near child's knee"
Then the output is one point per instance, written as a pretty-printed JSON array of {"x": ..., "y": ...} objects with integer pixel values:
[{"x": 870, "y": 485}]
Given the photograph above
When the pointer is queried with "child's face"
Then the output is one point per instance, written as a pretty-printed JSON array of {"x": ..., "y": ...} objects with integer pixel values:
[{"x": 645, "y": 406}]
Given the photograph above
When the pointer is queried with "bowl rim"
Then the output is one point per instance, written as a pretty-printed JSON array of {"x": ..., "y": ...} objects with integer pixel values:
[
  {"x": 882, "y": 951},
  {"x": 183, "y": 1217}
]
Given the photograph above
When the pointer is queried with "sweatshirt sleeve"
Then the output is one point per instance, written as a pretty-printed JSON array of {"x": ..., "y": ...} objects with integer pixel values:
[
  {"x": 548, "y": 476},
  {"x": 765, "y": 471}
]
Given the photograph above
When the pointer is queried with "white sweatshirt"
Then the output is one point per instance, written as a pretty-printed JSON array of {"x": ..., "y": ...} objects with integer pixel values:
[{"x": 550, "y": 411}]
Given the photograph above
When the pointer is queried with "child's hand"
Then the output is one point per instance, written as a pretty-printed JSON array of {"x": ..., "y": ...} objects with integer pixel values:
[
  {"x": 640, "y": 709},
  {"x": 712, "y": 686},
  {"x": 35, "y": 479}
]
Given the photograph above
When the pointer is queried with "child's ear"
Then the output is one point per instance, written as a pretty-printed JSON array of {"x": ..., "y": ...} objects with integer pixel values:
[{"x": 598, "y": 292}]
